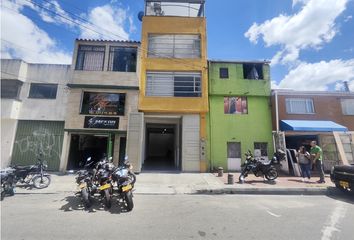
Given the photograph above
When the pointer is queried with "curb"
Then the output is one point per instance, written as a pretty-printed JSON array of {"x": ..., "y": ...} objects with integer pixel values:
[{"x": 271, "y": 191}]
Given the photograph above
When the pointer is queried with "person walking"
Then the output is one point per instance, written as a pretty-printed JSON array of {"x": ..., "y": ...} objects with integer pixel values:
[
  {"x": 317, "y": 156},
  {"x": 305, "y": 163}
]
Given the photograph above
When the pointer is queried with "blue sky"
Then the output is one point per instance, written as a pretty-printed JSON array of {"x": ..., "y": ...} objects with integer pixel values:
[{"x": 310, "y": 42}]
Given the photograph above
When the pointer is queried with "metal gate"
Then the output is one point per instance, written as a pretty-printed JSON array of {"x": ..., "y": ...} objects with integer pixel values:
[{"x": 33, "y": 137}]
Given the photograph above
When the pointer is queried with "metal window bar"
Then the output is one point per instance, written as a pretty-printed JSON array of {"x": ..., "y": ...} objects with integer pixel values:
[
  {"x": 90, "y": 58},
  {"x": 173, "y": 84}
]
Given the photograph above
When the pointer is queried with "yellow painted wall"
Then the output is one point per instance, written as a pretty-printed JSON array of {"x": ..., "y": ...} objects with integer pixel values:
[{"x": 173, "y": 25}]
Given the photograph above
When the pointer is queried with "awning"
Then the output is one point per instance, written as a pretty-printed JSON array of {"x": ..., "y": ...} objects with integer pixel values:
[{"x": 311, "y": 126}]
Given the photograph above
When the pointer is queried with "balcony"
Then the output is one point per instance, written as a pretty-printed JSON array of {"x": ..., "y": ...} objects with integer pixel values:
[{"x": 176, "y": 8}]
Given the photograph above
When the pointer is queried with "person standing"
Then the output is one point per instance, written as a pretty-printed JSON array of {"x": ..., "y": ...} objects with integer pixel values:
[
  {"x": 317, "y": 156},
  {"x": 305, "y": 163}
]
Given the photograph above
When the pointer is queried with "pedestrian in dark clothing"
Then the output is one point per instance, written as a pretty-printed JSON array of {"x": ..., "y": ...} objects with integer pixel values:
[{"x": 305, "y": 163}]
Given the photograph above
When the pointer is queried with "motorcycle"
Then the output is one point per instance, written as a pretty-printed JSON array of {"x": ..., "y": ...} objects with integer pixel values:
[
  {"x": 104, "y": 181},
  {"x": 84, "y": 181},
  {"x": 33, "y": 174},
  {"x": 7, "y": 182},
  {"x": 261, "y": 168},
  {"x": 124, "y": 177}
]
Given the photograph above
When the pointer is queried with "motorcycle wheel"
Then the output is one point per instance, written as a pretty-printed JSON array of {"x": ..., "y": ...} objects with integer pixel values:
[
  {"x": 129, "y": 200},
  {"x": 271, "y": 174},
  {"x": 241, "y": 178},
  {"x": 107, "y": 198},
  {"x": 86, "y": 198},
  {"x": 2, "y": 195},
  {"x": 41, "y": 182}
]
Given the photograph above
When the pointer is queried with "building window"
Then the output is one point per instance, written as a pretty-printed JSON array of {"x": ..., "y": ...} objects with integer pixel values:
[
  {"x": 235, "y": 105},
  {"x": 261, "y": 149},
  {"x": 174, "y": 8},
  {"x": 122, "y": 59},
  {"x": 10, "y": 89},
  {"x": 90, "y": 58},
  {"x": 234, "y": 150},
  {"x": 253, "y": 71},
  {"x": 224, "y": 72},
  {"x": 174, "y": 46},
  {"x": 173, "y": 84},
  {"x": 347, "y": 106},
  {"x": 299, "y": 106},
  {"x": 94, "y": 103},
  {"x": 47, "y": 91}
]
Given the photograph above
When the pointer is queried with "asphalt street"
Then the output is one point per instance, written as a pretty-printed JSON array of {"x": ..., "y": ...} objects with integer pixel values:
[{"x": 61, "y": 216}]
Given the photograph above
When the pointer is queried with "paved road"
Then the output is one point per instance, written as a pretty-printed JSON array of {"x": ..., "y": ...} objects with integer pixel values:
[{"x": 61, "y": 216}]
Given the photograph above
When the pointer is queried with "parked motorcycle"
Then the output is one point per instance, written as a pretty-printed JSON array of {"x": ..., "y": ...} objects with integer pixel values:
[
  {"x": 125, "y": 179},
  {"x": 261, "y": 168},
  {"x": 7, "y": 182},
  {"x": 84, "y": 180},
  {"x": 33, "y": 174},
  {"x": 104, "y": 181}
]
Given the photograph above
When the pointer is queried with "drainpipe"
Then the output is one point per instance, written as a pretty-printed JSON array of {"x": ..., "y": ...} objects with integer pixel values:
[{"x": 276, "y": 111}]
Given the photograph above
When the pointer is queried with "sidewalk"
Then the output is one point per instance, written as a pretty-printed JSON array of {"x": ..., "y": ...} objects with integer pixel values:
[{"x": 197, "y": 183}]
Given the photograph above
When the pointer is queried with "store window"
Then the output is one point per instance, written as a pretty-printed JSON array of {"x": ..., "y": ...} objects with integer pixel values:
[
  {"x": 235, "y": 105},
  {"x": 46, "y": 91},
  {"x": 122, "y": 59},
  {"x": 94, "y": 103},
  {"x": 299, "y": 106},
  {"x": 90, "y": 58}
]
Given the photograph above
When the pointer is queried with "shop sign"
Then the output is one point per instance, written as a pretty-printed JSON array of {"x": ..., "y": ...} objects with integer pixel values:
[{"x": 101, "y": 122}]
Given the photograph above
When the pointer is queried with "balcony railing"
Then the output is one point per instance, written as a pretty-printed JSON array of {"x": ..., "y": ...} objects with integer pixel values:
[{"x": 181, "y": 8}]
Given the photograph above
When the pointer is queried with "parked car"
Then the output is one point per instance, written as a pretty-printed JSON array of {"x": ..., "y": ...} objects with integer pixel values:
[{"x": 343, "y": 177}]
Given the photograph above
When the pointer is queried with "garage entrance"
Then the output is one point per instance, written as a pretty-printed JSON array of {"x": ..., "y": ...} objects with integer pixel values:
[
  {"x": 83, "y": 146},
  {"x": 161, "y": 147}
]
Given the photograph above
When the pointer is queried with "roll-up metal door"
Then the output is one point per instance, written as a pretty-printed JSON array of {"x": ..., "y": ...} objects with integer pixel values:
[
  {"x": 33, "y": 137},
  {"x": 191, "y": 143},
  {"x": 135, "y": 139}
]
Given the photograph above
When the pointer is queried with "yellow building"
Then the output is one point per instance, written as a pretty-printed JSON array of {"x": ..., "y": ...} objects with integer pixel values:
[{"x": 168, "y": 133}]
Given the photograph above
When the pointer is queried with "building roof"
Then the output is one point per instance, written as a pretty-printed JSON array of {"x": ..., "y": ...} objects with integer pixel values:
[
  {"x": 238, "y": 61},
  {"x": 311, "y": 126},
  {"x": 105, "y": 40},
  {"x": 292, "y": 92}
]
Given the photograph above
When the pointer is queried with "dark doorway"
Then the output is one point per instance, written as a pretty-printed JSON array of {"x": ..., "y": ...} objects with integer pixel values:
[
  {"x": 83, "y": 146},
  {"x": 160, "y": 147}
]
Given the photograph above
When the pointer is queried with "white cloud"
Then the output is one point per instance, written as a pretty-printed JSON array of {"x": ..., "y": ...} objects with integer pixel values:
[
  {"x": 111, "y": 21},
  {"x": 317, "y": 76},
  {"x": 22, "y": 38},
  {"x": 347, "y": 18},
  {"x": 53, "y": 13},
  {"x": 311, "y": 27}
]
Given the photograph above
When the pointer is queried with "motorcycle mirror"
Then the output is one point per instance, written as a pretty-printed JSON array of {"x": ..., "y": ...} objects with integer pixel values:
[
  {"x": 110, "y": 159},
  {"x": 126, "y": 158},
  {"x": 89, "y": 159}
]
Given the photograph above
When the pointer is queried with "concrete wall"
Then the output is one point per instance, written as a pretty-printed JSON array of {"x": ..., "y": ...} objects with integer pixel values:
[
  {"x": 327, "y": 107},
  {"x": 105, "y": 77},
  {"x": 8, "y": 131}
]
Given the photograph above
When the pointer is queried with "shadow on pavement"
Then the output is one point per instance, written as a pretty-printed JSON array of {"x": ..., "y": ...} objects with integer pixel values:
[
  {"x": 340, "y": 195},
  {"x": 74, "y": 203}
]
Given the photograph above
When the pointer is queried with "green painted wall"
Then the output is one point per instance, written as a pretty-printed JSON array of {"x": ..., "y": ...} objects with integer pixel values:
[{"x": 256, "y": 126}]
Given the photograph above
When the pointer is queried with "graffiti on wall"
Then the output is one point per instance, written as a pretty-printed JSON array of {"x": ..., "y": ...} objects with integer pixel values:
[{"x": 41, "y": 141}]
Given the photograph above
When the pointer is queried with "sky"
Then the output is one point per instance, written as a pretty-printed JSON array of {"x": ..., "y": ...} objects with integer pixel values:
[{"x": 310, "y": 43}]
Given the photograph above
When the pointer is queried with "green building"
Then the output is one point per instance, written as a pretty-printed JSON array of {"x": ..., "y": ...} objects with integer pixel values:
[{"x": 239, "y": 117}]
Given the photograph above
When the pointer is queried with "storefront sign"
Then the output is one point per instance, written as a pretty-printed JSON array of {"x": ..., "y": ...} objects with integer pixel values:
[{"x": 101, "y": 122}]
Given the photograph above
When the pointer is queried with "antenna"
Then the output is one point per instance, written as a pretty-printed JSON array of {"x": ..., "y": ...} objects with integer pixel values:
[{"x": 346, "y": 86}]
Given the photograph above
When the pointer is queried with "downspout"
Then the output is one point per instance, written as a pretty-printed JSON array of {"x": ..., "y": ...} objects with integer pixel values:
[{"x": 276, "y": 111}]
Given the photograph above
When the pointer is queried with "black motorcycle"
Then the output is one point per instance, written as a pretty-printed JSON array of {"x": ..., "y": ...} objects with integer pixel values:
[
  {"x": 33, "y": 174},
  {"x": 7, "y": 182},
  {"x": 84, "y": 180},
  {"x": 125, "y": 179},
  {"x": 103, "y": 181},
  {"x": 260, "y": 168}
]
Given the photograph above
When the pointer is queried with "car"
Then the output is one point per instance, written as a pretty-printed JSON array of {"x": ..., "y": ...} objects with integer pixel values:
[{"x": 343, "y": 177}]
